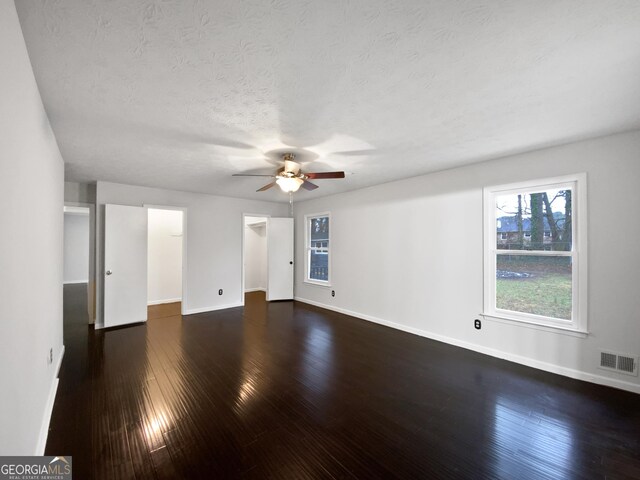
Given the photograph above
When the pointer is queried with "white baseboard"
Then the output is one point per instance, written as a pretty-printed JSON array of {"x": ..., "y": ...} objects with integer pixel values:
[
  {"x": 46, "y": 419},
  {"x": 529, "y": 362},
  {"x": 73, "y": 282},
  {"x": 192, "y": 311},
  {"x": 168, "y": 300},
  {"x": 259, "y": 289}
]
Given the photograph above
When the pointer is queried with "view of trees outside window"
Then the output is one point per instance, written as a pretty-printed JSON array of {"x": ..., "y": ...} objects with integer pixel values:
[
  {"x": 319, "y": 249},
  {"x": 535, "y": 222}
]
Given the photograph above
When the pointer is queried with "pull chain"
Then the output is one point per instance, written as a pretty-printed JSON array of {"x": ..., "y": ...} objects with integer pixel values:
[{"x": 291, "y": 204}]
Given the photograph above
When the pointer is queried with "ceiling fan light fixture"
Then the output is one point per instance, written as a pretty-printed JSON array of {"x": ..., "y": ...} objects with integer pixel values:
[{"x": 289, "y": 184}]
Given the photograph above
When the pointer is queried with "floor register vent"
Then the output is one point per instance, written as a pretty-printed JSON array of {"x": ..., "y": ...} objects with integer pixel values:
[{"x": 616, "y": 362}]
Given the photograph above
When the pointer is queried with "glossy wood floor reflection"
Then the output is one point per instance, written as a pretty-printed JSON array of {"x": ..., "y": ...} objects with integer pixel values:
[{"x": 286, "y": 390}]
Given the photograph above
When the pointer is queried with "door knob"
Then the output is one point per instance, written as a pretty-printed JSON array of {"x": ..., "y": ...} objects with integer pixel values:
[{"x": 108, "y": 272}]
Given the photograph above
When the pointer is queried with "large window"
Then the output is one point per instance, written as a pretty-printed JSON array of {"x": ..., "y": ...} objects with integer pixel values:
[
  {"x": 317, "y": 240},
  {"x": 535, "y": 252}
]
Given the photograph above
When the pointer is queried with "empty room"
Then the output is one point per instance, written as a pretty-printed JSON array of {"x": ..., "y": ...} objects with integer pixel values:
[{"x": 344, "y": 239}]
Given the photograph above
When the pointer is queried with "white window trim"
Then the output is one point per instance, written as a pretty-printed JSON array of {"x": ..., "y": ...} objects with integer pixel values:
[
  {"x": 307, "y": 249},
  {"x": 578, "y": 323}
]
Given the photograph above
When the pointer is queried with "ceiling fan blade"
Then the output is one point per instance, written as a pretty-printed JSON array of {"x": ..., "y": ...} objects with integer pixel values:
[
  {"x": 250, "y": 175},
  {"x": 320, "y": 175},
  {"x": 266, "y": 187},
  {"x": 307, "y": 185}
]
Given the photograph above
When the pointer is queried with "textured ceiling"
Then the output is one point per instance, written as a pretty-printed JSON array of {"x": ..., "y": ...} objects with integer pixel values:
[{"x": 182, "y": 94}]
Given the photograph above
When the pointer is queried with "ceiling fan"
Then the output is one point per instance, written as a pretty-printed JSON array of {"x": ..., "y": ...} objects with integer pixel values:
[{"x": 290, "y": 178}]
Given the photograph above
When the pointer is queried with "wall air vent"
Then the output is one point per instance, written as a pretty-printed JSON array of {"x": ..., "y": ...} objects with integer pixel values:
[
  {"x": 608, "y": 360},
  {"x": 616, "y": 362}
]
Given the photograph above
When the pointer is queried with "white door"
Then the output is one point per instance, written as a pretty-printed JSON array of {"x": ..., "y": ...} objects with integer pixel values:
[
  {"x": 125, "y": 265},
  {"x": 280, "y": 259}
]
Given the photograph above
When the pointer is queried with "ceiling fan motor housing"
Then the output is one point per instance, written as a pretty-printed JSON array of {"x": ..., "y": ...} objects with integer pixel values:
[{"x": 291, "y": 167}]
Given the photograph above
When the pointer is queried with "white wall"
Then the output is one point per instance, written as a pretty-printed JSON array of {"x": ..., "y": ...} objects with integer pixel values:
[
  {"x": 79, "y": 192},
  {"x": 255, "y": 254},
  {"x": 409, "y": 253},
  {"x": 164, "y": 256},
  {"x": 30, "y": 249},
  {"x": 214, "y": 240},
  {"x": 76, "y": 247}
]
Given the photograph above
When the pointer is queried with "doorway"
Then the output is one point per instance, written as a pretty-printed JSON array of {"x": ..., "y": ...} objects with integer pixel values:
[
  {"x": 139, "y": 272},
  {"x": 165, "y": 253},
  {"x": 255, "y": 256},
  {"x": 267, "y": 257},
  {"x": 78, "y": 255}
]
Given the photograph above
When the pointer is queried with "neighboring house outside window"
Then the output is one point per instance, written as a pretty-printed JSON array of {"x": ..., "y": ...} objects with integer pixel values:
[
  {"x": 507, "y": 227},
  {"x": 535, "y": 252},
  {"x": 318, "y": 248}
]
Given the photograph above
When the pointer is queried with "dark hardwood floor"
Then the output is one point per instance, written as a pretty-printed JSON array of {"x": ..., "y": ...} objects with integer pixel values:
[
  {"x": 287, "y": 390},
  {"x": 164, "y": 310}
]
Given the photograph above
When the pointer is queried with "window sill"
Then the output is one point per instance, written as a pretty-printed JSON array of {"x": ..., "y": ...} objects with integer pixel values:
[
  {"x": 536, "y": 326},
  {"x": 317, "y": 284}
]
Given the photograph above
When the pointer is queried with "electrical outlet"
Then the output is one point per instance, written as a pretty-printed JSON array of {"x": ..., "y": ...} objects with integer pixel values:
[
  {"x": 477, "y": 324},
  {"x": 220, "y": 292},
  {"x": 333, "y": 293},
  {"x": 50, "y": 357}
]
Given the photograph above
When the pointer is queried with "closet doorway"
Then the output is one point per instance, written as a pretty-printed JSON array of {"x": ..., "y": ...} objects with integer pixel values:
[
  {"x": 267, "y": 257},
  {"x": 165, "y": 253},
  {"x": 79, "y": 255},
  {"x": 255, "y": 254}
]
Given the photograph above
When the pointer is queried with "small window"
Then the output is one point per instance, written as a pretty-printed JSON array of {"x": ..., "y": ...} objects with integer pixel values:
[
  {"x": 317, "y": 264},
  {"x": 504, "y": 236},
  {"x": 539, "y": 276}
]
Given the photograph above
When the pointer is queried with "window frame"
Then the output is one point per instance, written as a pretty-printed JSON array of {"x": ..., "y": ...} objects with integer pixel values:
[
  {"x": 578, "y": 253},
  {"x": 307, "y": 245}
]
